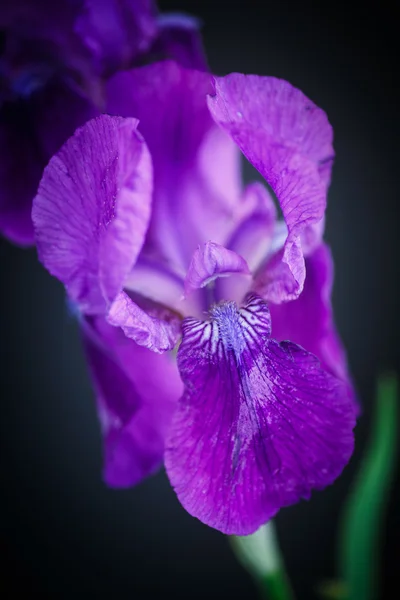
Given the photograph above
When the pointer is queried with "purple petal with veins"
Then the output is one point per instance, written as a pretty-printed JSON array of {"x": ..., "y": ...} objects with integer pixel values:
[
  {"x": 92, "y": 210},
  {"x": 259, "y": 425},
  {"x": 289, "y": 140}
]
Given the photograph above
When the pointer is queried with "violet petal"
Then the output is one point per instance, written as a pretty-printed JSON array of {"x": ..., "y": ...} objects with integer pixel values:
[
  {"x": 92, "y": 210},
  {"x": 259, "y": 425},
  {"x": 156, "y": 328},
  {"x": 311, "y": 237},
  {"x": 211, "y": 261},
  {"x": 289, "y": 140},
  {"x": 136, "y": 394},
  {"x": 196, "y": 165},
  {"x": 291, "y": 320}
]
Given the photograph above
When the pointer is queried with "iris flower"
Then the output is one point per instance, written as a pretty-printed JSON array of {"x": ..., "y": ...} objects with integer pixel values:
[
  {"x": 206, "y": 319},
  {"x": 55, "y": 58}
]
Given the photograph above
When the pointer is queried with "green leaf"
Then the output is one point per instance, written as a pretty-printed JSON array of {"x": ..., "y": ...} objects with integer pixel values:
[{"x": 363, "y": 514}]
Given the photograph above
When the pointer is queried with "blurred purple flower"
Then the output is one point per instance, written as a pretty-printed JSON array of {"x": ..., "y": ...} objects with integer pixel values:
[
  {"x": 155, "y": 239},
  {"x": 55, "y": 58}
]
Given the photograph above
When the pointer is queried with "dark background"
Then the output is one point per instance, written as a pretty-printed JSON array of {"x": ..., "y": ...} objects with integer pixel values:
[{"x": 62, "y": 531}]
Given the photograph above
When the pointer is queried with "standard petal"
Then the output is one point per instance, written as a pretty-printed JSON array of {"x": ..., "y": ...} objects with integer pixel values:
[
  {"x": 136, "y": 393},
  {"x": 196, "y": 165},
  {"x": 92, "y": 210},
  {"x": 156, "y": 327},
  {"x": 259, "y": 425},
  {"x": 211, "y": 261},
  {"x": 289, "y": 140},
  {"x": 291, "y": 320}
]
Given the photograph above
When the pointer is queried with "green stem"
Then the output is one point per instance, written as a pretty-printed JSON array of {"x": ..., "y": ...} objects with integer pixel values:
[
  {"x": 363, "y": 517},
  {"x": 276, "y": 587},
  {"x": 259, "y": 553}
]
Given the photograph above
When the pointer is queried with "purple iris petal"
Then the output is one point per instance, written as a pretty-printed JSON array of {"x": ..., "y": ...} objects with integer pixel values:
[
  {"x": 259, "y": 425},
  {"x": 134, "y": 404},
  {"x": 196, "y": 165},
  {"x": 289, "y": 140},
  {"x": 311, "y": 236},
  {"x": 211, "y": 261},
  {"x": 308, "y": 321},
  {"x": 273, "y": 277},
  {"x": 92, "y": 210},
  {"x": 156, "y": 328}
]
